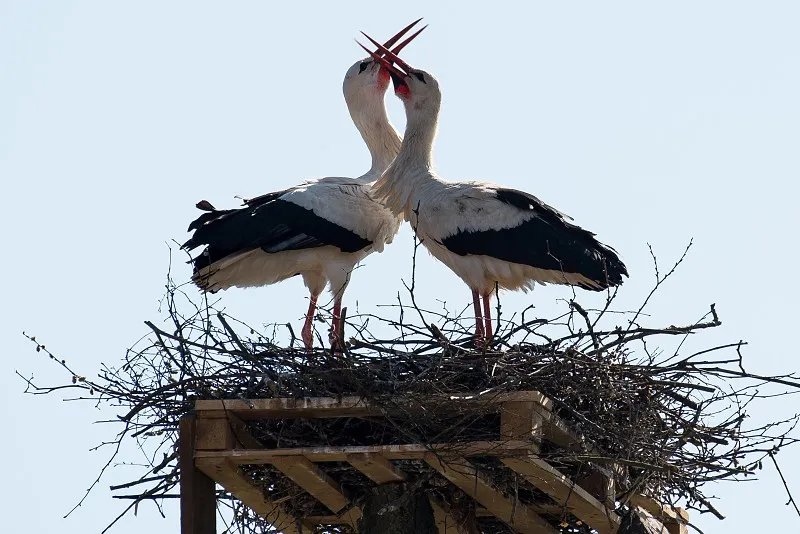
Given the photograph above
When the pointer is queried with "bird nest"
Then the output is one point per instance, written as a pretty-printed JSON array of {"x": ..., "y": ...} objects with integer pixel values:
[{"x": 669, "y": 423}]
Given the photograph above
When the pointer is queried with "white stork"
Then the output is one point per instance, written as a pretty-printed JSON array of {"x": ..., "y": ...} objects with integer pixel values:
[
  {"x": 489, "y": 235},
  {"x": 319, "y": 229}
]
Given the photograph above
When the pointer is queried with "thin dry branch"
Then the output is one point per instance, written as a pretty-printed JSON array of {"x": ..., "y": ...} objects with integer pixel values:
[{"x": 669, "y": 426}]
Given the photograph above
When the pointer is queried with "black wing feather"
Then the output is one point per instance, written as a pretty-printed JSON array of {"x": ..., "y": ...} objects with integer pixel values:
[
  {"x": 268, "y": 223},
  {"x": 545, "y": 241}
]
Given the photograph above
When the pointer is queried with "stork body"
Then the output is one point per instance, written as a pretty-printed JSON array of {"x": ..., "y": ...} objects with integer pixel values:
[
  {"x": 488, "y": 235},
  {"x": 319, "y": 229}
]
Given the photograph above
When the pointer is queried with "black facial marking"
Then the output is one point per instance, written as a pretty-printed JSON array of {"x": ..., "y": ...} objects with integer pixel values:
[
  {"x": 397, "y": 81},
  {"x": 363, "y": 66},
  {"x": 420, "y": 77}
]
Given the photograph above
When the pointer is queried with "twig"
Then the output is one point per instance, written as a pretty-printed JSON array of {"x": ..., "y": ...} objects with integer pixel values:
[{"x": 785, "y": 484}]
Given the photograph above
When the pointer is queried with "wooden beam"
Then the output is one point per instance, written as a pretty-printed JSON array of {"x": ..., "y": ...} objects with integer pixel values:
[
  {"x": 391, "y": 452},
  {"x": 314, "y": 407},
  {"x": 524, "y": 420},
  {"x": 558, "y": 432},
  {"x": 314, "y": 480},
  {"x": 562, "y": 490},
  {"x": 674, "y": 518},
  {"x": 236, "y": 410},
  {"x": 324, "y": 407},
  {"x": 376, "y": 467},
  {"x": 198, "y": 491},
  {"x": 517, "y": 515},
  {"x": 220, "y": 430},
  {"x": 227, "y": 475}
]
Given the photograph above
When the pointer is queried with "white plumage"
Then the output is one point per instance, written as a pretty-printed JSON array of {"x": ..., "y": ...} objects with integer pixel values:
[
  {"x": 319, "y": 229},
  {"x": 490, "y": 236}
]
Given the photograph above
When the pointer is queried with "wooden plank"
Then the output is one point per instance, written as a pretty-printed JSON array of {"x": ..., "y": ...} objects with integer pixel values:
[
  {"x": 391, "y": 452},
  {"x": 517, "y": 515},
  {"x": 508, "y": 396},
  {"x": 557, "y": 431},
  {"x": 213, "y": 434},
  {"x": 314, "y": 480},
  {"x": 314, "y": 407},
  {"x": 376, "y": 467},
  {"x": 198, "y": 491},
  {"x": 221, "y": 430},
  {"x": 674, "y": 518},
  {"x": 524, "y": 420},
  {"x": 577, "y": 500},
  {"x": 227, "y": 475},
  {"x": 324, "y": 407}
]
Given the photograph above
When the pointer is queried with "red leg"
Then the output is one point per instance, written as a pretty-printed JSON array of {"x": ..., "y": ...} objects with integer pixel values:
[
  {"x": 336, "y": 331},
  {"x": 479, "y": 333},
  {"x": 487, "y": 316},
  {"x": 308, "y": 332}
]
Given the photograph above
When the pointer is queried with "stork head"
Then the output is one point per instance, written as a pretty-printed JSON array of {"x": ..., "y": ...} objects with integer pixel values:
[
  {"x": 366, "y": 80},
  {"x": 418, "y": 89}
]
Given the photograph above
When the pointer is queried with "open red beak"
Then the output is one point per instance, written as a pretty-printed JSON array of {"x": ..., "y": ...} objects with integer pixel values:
[{"x": 388, "y": 58}]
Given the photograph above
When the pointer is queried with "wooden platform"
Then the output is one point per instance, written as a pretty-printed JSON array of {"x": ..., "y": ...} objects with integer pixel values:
[{"x": 215, "y": 443}]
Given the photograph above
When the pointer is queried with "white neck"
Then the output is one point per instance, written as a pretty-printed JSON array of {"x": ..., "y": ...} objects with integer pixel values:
[
  {"x": 383, "y": 141},
  {"x": 412, "y": 166}
]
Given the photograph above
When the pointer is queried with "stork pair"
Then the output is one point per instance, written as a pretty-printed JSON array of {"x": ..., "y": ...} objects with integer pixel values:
[{"x": 491, "y": 237}]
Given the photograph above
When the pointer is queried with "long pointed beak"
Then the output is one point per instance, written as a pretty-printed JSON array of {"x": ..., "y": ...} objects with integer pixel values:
[
  {"x": 388, "y": 54},
  {"x": 398, "y": 35},
  {"x": 385, "y": 57},
  {"x": 385, "y": 63},
  {"x": 402, "y": 45},
  {"x": 398, "y": 69}
]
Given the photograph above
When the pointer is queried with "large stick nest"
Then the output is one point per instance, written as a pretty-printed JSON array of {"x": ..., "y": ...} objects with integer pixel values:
[{"x": 668, "y": 423}]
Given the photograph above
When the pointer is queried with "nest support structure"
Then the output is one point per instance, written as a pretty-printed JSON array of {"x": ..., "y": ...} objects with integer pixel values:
[{"x": 502, "y": 477}]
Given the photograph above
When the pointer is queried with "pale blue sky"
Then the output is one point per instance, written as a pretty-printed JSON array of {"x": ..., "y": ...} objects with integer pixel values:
[{"x": 646, "y": 123}]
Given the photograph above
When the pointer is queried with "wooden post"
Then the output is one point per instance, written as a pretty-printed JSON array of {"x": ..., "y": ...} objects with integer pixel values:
[
  {"x": 198, "y": 492},
  {"x": 524, "y": 420}
]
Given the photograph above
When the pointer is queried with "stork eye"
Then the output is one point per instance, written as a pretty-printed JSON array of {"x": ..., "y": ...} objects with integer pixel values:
[
  {"x": 364, "y": 65},
  {"x": 420, "y": 77}
]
